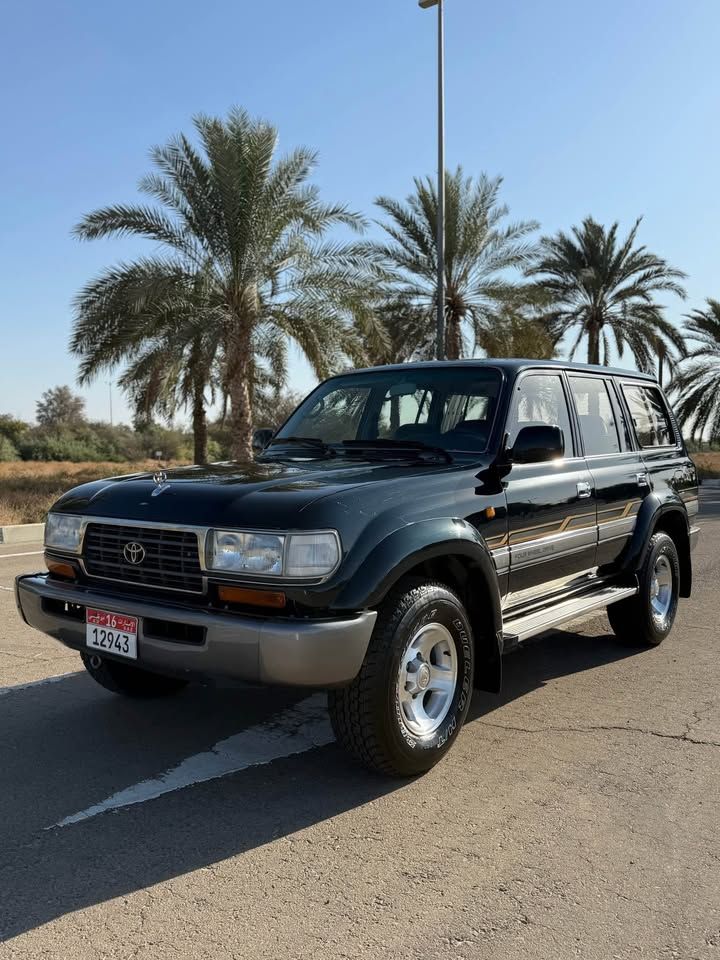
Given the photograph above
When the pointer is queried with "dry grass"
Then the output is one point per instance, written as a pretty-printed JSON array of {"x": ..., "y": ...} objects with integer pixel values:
[
  {"x": 708, "y": 464},
  {"x": 28, "y": 489}
]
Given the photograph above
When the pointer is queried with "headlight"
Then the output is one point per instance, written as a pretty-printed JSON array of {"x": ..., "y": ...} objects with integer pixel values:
[
  {"x": 63, "y": 532},
  {"x": 301, "y": 555},
  {"x": 258, "y": 553}
]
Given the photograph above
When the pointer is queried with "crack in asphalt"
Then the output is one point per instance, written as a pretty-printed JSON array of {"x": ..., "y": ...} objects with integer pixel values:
[{"x": 682, "y": 737}]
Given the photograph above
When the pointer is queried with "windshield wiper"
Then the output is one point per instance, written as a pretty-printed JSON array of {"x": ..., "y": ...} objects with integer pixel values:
[
  {"x": 314, "y": 442},
  {"x": 399, "y": 447}
]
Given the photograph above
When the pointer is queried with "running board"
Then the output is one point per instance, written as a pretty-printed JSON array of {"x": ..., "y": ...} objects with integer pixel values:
[{"x": 521, "y": 628}]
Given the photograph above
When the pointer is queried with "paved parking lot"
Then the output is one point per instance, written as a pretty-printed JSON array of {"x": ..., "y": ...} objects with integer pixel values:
[{"x": 577, "y": 816}]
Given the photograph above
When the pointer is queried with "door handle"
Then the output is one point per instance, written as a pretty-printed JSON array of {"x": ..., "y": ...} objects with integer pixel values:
[
  {"x": 642, "y": 479},
  {"x": 584, "y": 490}
]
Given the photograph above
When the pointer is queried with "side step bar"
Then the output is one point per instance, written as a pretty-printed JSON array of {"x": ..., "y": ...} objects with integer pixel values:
[{"x": 520, "y": 628}]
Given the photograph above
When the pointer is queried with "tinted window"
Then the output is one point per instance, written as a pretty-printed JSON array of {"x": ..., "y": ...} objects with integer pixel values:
[
  {"x": 403, "y": 410},
  {"x": 464, "y": 407},
  {"x": 595, "y": 413},
  {"x": 649, "y": 416},
  {"x": 334, "y": 417},
  {"x": 540, "y": 400},
  {"x": 452, "y": 408}
]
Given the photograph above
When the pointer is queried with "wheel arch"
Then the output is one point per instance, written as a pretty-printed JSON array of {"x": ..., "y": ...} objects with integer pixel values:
[
  {"x": 452, "y": 553},
  {"x": 667, "y": 516},
  {"x": 674, "y": 524}
]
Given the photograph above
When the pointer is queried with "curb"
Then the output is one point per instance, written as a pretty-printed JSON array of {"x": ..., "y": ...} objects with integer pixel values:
[{"x": 22, "y": 533}]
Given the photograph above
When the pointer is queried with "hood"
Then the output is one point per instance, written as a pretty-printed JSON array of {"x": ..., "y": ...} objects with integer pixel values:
[{"x": 266, "y": 495}]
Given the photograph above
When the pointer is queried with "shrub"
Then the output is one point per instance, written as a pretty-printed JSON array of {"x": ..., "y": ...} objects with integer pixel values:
[
  {"x": 12, "y": 429},
  {"x": 36, "y": 444},
  {"x": 8, "y": 450}
]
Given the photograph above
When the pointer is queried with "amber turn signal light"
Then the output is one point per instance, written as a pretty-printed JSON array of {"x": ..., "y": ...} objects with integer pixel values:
[
  {"x": 59, "y": 569},
  {"x": 255, "y": 598}
]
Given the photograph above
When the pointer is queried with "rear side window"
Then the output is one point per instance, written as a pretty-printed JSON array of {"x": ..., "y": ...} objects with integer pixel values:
[
  {"x": 596, "y": 416},
  {"x": 649, "y": 416}
]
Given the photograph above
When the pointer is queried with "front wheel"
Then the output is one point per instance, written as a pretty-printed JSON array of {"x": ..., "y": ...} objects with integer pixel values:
[
  {"x": 647, "y": 618},
  {"x": 131, "y": 681},
  {"x": 405, "y": 708}
]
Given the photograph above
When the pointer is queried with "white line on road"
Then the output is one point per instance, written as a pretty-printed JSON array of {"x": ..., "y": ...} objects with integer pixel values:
[
  {"x": 296, "y": 730},
  {"x": 32, "y": 553},
  {"x": 9, "y": 589},
  {"x": 4, "y": 691}
]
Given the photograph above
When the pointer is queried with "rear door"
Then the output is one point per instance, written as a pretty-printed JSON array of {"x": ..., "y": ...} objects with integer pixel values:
[
  {"x": 665, "y": 463},
  {"x": 552, "y": 532},
  {"x": 618, "y": 473}
]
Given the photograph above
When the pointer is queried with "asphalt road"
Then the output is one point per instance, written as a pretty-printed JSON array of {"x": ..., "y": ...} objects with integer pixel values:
[{"x": 578, "y": 814}]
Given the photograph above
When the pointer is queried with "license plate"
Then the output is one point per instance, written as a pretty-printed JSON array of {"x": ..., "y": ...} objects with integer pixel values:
[{"x": 111, "y": 633}]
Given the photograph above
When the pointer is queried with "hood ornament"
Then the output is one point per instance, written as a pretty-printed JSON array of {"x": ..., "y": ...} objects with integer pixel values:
[{"x": 160, "y": 479}]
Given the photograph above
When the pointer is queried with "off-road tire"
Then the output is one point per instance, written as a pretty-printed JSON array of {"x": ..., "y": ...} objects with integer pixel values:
[
  {"x": 367, "y": 716},
  {"x": 130, "y": 681},
  {"x": 632, "y": 620}
]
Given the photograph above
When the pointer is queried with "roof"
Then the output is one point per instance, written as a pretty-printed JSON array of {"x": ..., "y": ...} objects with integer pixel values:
[{"x": 513, "y": 366}]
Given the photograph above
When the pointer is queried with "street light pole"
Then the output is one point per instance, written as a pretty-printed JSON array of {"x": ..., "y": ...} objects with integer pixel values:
[{"x": 440, "y": 344}]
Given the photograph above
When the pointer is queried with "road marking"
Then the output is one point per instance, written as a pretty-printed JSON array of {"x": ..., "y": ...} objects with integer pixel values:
[
  {"x": 4, "y": 691},
  {"x": 32, "y": 553},
  {"x": 9, "y": 589},
  {"x": 296, "y": 730}
]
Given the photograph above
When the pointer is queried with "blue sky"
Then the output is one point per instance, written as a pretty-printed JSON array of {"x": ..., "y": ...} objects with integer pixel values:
[{"x": 609, "y": 109}]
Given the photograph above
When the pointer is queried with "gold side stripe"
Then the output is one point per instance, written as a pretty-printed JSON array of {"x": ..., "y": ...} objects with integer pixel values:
[{"x": 578, "y": 521}]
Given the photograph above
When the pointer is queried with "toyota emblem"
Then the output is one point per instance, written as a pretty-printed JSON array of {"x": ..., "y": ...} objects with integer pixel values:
[{"x": 134, "y": 553}]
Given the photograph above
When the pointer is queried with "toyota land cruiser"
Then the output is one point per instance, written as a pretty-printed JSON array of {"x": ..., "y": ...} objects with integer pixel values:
[{"x": 404, "y": 529}]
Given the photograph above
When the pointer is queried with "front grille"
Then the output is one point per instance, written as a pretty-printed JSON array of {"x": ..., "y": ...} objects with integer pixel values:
[{"x": 171, "y": 557}]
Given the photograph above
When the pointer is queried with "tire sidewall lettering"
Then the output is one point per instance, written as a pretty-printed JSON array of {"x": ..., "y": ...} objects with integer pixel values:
[{"x": 445, "y": 612}]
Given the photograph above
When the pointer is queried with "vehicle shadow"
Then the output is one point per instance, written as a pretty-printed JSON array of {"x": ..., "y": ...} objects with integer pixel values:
[
  {"x": 68, "y": 745},
  {"x": 549, "y": 657}
]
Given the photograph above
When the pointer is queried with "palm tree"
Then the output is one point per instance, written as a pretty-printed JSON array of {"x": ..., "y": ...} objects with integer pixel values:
[
  {"x": 248, "y": 229},
  {"x": 696, "y": 384},
  {"x": 480, "y": 250},
  {"x": 603, "y": 289},
  {"x": 154, "y": 322},
  {"x": 516, "y": 332}
]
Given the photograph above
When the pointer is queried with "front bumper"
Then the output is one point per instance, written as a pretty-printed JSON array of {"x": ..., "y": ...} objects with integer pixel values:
[{"x": 310, "y": 653}]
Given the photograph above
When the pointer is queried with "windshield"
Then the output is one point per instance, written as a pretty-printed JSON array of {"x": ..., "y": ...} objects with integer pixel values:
[{"x": 448, "y": 408}]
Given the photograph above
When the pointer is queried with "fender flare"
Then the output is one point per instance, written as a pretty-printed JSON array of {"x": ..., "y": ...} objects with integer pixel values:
[
  {"x": 654, "y": 507},
  {"x": 374, "y": 576}
]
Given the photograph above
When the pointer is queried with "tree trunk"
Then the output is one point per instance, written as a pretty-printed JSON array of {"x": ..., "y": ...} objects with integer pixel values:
[
  {"x": 593, "y": 342},
  {"x": 199, "y": 422},
  {"x": 453, "y": 335},
  {"x": 240, "y": 393}
]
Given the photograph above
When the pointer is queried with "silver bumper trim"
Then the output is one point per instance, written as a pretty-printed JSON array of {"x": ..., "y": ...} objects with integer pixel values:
[{"x": 308, "y": 653}]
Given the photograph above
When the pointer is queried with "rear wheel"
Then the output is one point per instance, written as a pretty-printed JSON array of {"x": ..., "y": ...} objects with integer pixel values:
[
  {"x": 403, "y": 711},
  {"x": 647, "y": 618},
  {"x": 128, "y": 680}
]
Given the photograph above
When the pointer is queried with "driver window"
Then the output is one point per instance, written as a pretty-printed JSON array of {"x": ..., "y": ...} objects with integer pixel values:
[{"x": 540, "y": 401}]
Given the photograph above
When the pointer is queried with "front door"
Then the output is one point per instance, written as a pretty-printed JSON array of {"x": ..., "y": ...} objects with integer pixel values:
[{"x": 552, "y": 524}]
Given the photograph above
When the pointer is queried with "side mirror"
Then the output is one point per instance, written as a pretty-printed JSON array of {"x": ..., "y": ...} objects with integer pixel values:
[
  {"x": 261, "y": 438},
  {"x": 538, "y": 444}
]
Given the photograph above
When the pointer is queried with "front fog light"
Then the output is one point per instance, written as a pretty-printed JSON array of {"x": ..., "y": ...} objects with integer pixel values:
[
  {"x": 63, "y": 532},
  {"x": 312, "y": 555}
]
